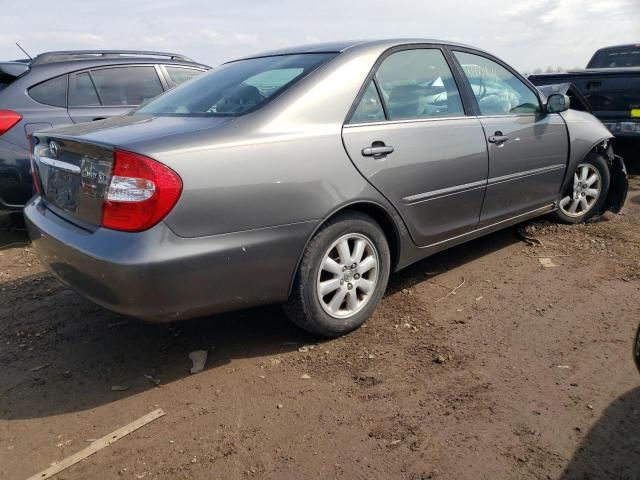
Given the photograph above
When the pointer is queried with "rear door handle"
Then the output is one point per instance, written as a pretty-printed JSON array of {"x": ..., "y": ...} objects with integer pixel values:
[
  {"x": 377, "y": 150},
  {"x": 498, "y": 138}
]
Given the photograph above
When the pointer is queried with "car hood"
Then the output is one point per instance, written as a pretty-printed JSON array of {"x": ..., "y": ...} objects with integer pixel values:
[{"x": 135, "y": 129}]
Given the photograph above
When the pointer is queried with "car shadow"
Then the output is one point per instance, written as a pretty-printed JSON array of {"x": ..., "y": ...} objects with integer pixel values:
[
  {"x": 13, "y": 233},
  {"x": 452, "y": 258},
  {"x": 61, "y": 353},
  {"x": 611, "y": 449}
]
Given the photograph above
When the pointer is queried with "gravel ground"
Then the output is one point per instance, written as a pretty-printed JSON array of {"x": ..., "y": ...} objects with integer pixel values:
[{"x": 524, "y": 372}]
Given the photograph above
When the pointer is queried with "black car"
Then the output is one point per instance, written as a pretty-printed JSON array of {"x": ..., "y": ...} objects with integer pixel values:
[
  {"x": 62, "y": 88},
  {"x": 610, "y": 85}
]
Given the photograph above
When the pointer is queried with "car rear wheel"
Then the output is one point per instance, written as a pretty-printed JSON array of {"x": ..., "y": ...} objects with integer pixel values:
[
  {"x": 587, "y": 192},
  {"x": 342, "y": 276}
]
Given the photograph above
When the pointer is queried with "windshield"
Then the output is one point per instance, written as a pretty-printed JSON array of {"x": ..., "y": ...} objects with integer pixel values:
[
  {"x": 623, "y": 57},
  {"x": 235, "y": 88}
]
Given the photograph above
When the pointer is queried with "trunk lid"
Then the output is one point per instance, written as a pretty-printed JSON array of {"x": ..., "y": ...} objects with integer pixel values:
[
  {"x": 128, "y": 130},
  {"x": 73, "y": 164}
]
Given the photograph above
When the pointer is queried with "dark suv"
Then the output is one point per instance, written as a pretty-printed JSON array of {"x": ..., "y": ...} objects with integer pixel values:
[{"x": 61, "y": 88}]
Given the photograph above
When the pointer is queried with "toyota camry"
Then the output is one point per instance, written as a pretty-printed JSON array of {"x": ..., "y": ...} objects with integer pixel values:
[{"x": 306, "y": 177}]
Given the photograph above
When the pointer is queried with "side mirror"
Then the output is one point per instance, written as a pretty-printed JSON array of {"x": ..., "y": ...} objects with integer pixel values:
[{"x": 557, "y": 103}]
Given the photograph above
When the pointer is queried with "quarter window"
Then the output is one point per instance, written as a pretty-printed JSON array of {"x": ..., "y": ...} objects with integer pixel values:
[
  {"x": 52, "y": 92},
  {"x": 497, "y": 90},
  {"x": 126, "y": 86},
  {"x": 418, "y": 84}
]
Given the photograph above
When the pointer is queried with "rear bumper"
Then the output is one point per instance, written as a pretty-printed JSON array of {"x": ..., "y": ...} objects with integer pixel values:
[{"x": 158, "y": 276}]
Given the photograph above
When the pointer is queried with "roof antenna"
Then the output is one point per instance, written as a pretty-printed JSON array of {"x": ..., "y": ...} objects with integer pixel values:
[{"x": 24, "y": 51}]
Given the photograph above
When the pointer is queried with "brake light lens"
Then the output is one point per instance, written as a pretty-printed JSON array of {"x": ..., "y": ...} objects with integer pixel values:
[
  {"x": 141, "y": 192},
  {"x": 8, "y": 119}
]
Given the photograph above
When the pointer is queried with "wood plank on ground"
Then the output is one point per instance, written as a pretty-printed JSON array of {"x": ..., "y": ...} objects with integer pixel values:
[{"x": 99, "y": 444}]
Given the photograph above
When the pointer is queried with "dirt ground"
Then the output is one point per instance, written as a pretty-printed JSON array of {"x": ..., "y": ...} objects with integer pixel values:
[{"x": 525, "y": 372}]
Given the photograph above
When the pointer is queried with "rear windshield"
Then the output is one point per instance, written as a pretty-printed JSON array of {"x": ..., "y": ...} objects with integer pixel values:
[
  {"x": 235, "y": 88},
  {"x": 623, "y": 57},
  {"x": 10, "y": 71}
]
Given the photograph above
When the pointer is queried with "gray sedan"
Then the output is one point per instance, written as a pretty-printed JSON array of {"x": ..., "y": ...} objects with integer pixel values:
[{"x": 306, "y": 176}]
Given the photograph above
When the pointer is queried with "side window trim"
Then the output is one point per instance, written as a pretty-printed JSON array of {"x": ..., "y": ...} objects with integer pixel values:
[
  {"x": 473, "y": 99},
  {"x": 468, "y": 104},
  {"x": 383, "y": 102},
  {"x": 165, "y": 80},
  {"x": 466, "y": 92},
  {"x": 96, "y": 89}
]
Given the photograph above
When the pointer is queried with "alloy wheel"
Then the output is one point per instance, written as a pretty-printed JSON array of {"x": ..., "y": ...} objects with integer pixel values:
[
  {"x": 348, "y": 275},
  {"x": 587, "y": 185}
]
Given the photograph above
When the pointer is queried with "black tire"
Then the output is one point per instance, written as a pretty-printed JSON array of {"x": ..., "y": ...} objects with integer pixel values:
[
  {"x": 304, "y": 307},
  {"x": 598, "y": 162}
]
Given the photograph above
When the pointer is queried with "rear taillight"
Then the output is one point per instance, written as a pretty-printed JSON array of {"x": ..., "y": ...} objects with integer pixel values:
[
  {"x": 141, "y": 192},
  {"x": 8, "y": 119}
]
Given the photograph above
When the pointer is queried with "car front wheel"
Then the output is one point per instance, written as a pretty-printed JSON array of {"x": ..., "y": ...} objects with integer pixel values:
[
  {"x": 342, "y": 276},
  {"x": 587, "y": 192}
]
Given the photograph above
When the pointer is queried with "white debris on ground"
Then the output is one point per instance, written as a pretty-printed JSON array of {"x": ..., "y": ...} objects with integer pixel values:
[{"x": 199, "y": 358}]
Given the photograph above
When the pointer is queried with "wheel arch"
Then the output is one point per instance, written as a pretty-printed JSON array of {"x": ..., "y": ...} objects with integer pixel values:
[
  {"x": 379, "y": 213},
  {"x": 618, "y": 181},
  {"x": 586, "y": 134}
]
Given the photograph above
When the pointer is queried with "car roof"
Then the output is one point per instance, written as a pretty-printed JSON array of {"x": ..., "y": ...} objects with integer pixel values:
[
  {"x": 341, "y": 46},
  {"x": 617, "y": 47},
  {"x": 70, "y": 55},
  {"x": 72, "y": 65},
  {"x": 51, "y": 64}
]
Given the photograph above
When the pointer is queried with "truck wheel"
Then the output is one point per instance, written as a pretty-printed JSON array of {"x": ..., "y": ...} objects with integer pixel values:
[
  {"x": 587, "y": 193},
  {"x": 342, "y": 276}
]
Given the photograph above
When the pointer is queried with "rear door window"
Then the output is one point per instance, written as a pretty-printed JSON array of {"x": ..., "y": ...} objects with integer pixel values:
[
  {"x": 418, "y": 84},
  {"x": 179, "y": 75},
  {"x": 83, "y": 93},
  {"x": 52, "y": 92},
  {"x": 126, "y": 86}
]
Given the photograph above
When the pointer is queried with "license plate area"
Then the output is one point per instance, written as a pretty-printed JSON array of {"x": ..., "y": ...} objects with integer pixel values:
[
  {"x": 61, "y": 188},
  {"x": 74, "y": 177}
]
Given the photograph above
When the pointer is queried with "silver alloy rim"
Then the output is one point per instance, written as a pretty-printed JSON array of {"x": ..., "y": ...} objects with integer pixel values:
[
  {"x": 348, "y": 275},
  {"x": 587, "y": 185}
]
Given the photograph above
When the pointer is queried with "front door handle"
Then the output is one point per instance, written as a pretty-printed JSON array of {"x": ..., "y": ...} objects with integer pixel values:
[
  {"x": 498, "y": 138},
  {"x": 377, "y": 149}
]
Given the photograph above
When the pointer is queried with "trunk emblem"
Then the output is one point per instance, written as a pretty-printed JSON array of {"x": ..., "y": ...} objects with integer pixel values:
[{"x": 54, "y": 148}]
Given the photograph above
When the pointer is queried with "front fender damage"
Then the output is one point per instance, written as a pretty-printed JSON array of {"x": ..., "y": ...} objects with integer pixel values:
[{"x": 619, "y": 182}]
